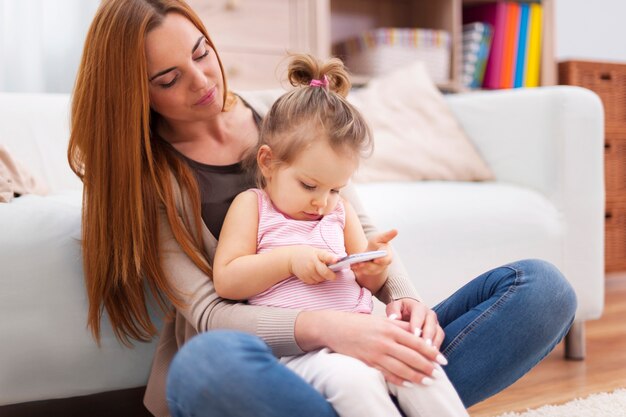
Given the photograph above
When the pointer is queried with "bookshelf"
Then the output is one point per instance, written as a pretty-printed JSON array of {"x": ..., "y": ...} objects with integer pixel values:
[
  {"x": 348, "y": 18},
  {"x": 253, "y": 51}
]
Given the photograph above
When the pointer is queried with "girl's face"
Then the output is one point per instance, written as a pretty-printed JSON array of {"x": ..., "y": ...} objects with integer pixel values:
[
  {"x": 308, "y": 188},
  {"x": 185, "y": 81}
]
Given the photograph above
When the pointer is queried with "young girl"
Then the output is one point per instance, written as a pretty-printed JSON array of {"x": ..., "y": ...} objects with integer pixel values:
[{"x": 277, "y": 241}]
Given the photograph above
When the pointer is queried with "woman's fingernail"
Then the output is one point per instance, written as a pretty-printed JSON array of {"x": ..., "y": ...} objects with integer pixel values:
[
  {"x": 437, "y": 373},
  {"x": 407, "y": 384},
  {"x": 427, "y": 381},
  {"x": 441, "y": 360},
  {"x": 429, "y": 342},
  {"x": 392, "y": 316},
  {"x": 417, "y": 332}
]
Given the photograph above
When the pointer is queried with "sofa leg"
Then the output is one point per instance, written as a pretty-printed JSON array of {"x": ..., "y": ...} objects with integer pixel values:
[{"x": 575, "y": 342}]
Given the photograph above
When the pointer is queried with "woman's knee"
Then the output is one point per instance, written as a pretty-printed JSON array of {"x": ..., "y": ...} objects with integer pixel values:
[
  {"x": 208, "y": 359},
  {"x": 548, "y": 288}
]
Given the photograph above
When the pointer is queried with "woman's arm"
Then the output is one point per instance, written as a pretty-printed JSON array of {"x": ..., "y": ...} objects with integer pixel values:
[
  {"x": 384, "y": 344},
  {"x": 398, "y": 292}
]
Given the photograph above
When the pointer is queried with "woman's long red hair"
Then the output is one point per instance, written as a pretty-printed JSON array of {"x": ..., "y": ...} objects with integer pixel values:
[{"x": 126, "y": 173}]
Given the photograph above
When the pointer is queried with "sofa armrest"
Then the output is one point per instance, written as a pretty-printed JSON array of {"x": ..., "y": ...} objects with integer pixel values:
[
  {"x": 539, "y": 138},
  {"x": 550, "y": 139}
]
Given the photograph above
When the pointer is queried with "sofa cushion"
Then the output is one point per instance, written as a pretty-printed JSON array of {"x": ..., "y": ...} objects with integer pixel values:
[
  {"x": 47, "y": 350},
  {"x": 416, "y": 136},
  {"x": 442, "y": 225}
]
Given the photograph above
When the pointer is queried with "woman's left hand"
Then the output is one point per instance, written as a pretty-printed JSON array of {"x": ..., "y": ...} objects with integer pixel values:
[{"x": 423, "y": 321}]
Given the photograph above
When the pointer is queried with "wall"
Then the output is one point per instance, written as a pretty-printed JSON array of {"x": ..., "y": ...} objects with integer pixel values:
[
  {"x": 41, "y": 43},
  {"x": 592, "y": 30}
]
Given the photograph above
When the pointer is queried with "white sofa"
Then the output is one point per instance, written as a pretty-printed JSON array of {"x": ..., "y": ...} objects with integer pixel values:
[{"x": 544, "y": 145}]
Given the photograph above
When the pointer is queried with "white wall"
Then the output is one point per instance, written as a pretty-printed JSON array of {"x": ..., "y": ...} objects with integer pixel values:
[
  {"x": 41, "y": 43},
  {"x": 591, "y": 30}
]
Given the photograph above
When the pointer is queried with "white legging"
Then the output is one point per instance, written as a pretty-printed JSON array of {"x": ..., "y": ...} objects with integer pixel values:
[{"x": 357, "y": 390}]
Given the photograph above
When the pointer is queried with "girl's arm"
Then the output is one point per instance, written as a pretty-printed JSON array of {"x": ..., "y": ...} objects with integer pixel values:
[
  {"x": 240, "y": 273},
  {"x": 371, "y": 275}
]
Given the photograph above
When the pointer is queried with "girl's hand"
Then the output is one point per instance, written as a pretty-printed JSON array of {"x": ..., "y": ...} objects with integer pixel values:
[
  {"x": 377, "y": 266},
  {"x": 310, "y": 265},
  {"x": 421, "y": 319},
  {"x": 373, "y": 274},
  {"x": 384, "y": 344}
]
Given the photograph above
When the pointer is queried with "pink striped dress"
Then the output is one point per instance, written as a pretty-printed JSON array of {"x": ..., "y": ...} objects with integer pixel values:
[{"x": 276, "y": 230}]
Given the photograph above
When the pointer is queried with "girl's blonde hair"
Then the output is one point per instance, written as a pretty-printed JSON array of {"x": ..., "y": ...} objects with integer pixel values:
[
  {"x": 127, "y": 173},
  {"x": 313, "y": 112}
]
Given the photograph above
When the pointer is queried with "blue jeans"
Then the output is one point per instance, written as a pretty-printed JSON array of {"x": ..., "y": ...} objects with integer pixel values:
[{"x": 497, "y": 328}]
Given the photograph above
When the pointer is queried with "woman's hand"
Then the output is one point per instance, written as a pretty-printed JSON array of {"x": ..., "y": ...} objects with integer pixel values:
[
  {"x": 387, "y": 345},
  {"x": 310, "y": 265},
  {"x": 421, "y": 319}
]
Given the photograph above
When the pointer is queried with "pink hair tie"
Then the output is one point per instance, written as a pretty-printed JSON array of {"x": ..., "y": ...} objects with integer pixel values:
[{"x": 320, "y": 83}]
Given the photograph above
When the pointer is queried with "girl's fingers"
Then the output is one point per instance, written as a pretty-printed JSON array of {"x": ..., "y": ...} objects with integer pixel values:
[
  {"x": 322, "y": 271},
  {"x": 385, "y": 237}
]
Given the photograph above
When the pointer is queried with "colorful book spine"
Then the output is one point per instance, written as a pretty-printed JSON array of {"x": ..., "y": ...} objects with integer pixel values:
[
  {"x": 534, "y": 45},
  {"x": 495, "y": 15},
  {"x": 509, "y": 50},
  {"x": 476, "y": 43},
  {"x": 520, "y": 63}
]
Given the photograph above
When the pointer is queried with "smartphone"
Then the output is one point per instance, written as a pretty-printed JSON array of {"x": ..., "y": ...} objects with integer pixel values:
[{"x": 355, "y": 258}]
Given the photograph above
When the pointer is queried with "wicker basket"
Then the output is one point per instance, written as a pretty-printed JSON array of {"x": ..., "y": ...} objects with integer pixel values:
[
  {"x": 378, "y": 51},
  {"x": 608, "y": 80},
  {"x": 615, "y": 237},
  {"x": 615, "y": 167}
]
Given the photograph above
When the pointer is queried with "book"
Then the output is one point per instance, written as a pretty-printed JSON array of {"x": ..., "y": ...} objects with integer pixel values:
[
  {"x": 509, "y": 50},
  {"x": 522, "y": 49},
  {"x": 493, "y": 14},
  {"x": 534, "y": 46},
  {"x": 476, "y": 39}
]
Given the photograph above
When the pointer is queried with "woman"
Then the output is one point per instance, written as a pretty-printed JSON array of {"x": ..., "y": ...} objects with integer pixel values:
[{"x": 157, "y": 139}]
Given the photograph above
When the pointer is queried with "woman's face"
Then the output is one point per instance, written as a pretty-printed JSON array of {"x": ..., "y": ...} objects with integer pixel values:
[{"x": 185, "y": 81}]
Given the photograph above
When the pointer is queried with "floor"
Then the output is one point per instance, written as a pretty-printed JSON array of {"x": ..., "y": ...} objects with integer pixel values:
[{"x": 556, "y": 380}]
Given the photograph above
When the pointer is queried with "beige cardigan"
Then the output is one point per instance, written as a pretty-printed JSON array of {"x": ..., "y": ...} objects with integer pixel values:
[{"x": 205, "y": 310}]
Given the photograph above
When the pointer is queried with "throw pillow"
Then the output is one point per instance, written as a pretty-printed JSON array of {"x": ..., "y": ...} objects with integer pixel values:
[
  {"x": 15, "y": 179},
  {"x": 416, "y": 136}
]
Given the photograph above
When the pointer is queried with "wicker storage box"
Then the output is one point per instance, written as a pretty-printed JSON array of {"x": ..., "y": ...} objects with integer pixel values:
[
  {"x": 615, "y": 166},
  {"x": 615, "y": 183},
  {"x": 608, "y": 80},
  {"x": 381, "y": 50},
  {"x": 615, "y": 236}
]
